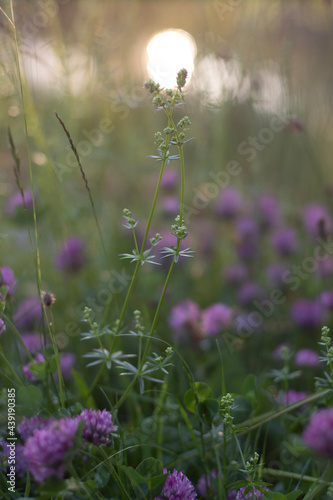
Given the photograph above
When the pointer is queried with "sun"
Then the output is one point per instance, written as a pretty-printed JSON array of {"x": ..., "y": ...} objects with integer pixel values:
[{"x": 168, "y": 52}]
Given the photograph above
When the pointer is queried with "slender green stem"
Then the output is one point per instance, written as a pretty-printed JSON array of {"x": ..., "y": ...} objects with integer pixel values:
[
  {"x": 9, "y": 366},
  {"x": 293, "y": 475}
]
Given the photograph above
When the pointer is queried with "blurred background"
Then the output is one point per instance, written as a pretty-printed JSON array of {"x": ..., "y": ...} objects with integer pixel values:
[{"x": 260, "y": 94}]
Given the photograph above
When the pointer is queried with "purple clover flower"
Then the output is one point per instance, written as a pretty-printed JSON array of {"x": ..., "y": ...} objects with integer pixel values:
[
  {"x": 235, "y": 274},
  {"x": 308, "y": 314},
  {"x": 249, "y": 292},
  {"x": 170, "y": 205},
  {"x": 306, "y": 357},
  {"x": 29, "y": 424},
  {"x": 317, "y": 220},
  {"x": 34, "y": 342},
  {"x": 184, "y": 319},
  {"x": 318, "y": 434},
  {"x": 326, "y": 298},
  {"x": 29, "y": 314},
  {"x": 97, "y": 426},
  {"x": 214, "y": 318},
  {"x": 284, "y": 241},
  {"x": 254, "y": 493},
  {"x": 229, "y": 203},
  {"x": 248, "y": 238},
  {"x": 177, "y": 487},
  {"x": 275, "y": 274},
  {"x": 170, "y": 179},
  {"x": 289, "y": 397},
  {"x": 7, "y": 278},
  {"x": 205, "y": 482},
  {"x": 268, "y": 210},
  {"x": 71, "y": 258},
  {"x": 46, "y": 450},
  {"x": 15, "y": 202},
  {"x": 66, "y": 362},
  {"x": 26, "y": 368}
]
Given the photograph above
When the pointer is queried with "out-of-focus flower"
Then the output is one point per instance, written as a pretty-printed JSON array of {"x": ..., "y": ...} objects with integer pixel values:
[
  {"x": 318, "y": 434},
  {"x": 317, "y": 220},
  {"x": 281, "y": 352},
  {"x": 28, "y": 426},
  {"x": 28, "y": 315},
  {"x": 235, "y": 274},
  {"x": 249, "y": 292},
  {"x": 15, "y": 202},
  {"x": 268, "y": 210},
  {"x": 34, "y": 342},
  {"x": 229, "y": 203},
  {"x": 253, "y": 494},
  {"x": 98, "y": 426},
  {"x": 7, "y": 278},
  {"x": 71, "y": 258},
  {"x": 275, "y": 275},
  {"x": 285, "y": 241},
  {"x": 46, "y": 450},
  {"x": 306, "y": 357},
  {"x": 184, "y": 320},
  {"x": 26, "y": 368},
  {"x": 289, "y": 397},
  {"x": 326, "y": 298},
  {"x": 205, "y": 483},
  {"x": 170, "y": 205},
  {"x": 170, "y": 179},
  {"x": 48, "y": 299},
  {"x": 248, "y": 238},
  {"x": 308, "y": 314},
  {"x": 215, "y": 318},
  {"x": 66, "y": 362},
  {"x": 2, "y": 326},
  {"x": 177, "y": 487}
]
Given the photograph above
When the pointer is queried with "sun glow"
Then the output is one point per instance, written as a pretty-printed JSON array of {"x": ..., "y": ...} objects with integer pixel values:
[{"x": 168, "y": 52}]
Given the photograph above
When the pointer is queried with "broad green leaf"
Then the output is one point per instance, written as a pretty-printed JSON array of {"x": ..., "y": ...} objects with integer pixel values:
[
  {"x": 150, "y": 467},
  {"x": 207, "y": 410},
  {"x": 197, "y": 395},
  {"x": 30, "y": 398},
  {"x": 102, "y": 477}
]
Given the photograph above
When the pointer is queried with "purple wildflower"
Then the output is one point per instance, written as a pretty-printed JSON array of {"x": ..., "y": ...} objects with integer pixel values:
[
  {"x": 249, "y": 292},
  {"x": 15, "y": 202},
  {"x": 248, "y": 233},
  {"x": 2, "y": 326},
  {"x": 254, "y": 493},
  {"x": 308, "y": 314},
  {"x": 235, "y": 274},
  {"x": 306, "y": 357},
  {"x": 205, "y": 482},
  {"x": 284, "y": 241},
  {"x": 21, "y": 461},
  {"x": 170, "y": 205},
  {"x": 184, "y": 320},
  {"x": 229, "y": 203},
  {"x": 170, "y": 179},
  {"x": 66, "y": 362},
  {"x": 29, "y": 314},
  {"x": 98, "y": 426},
  {"x": 26, "y": 368},
  {"x": 326, "y": 298},
  {"x": 215, "y": 317},
  {"x": 71, "y": 257},
  {"x": 318, "y": 434},
  {"x": 275, "y": 275},
  {"x": 46, "y": 449},
  {"x": 177, "y": 487},
  {"x": 29, "y": 424},
  {"x": 289, "y": 397},
  {"x": 7, "y": 278},
  {"x": 268, "y": 210},
  {"x": 317, "y": 220},
  {"x": 34, "y": 342}
]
